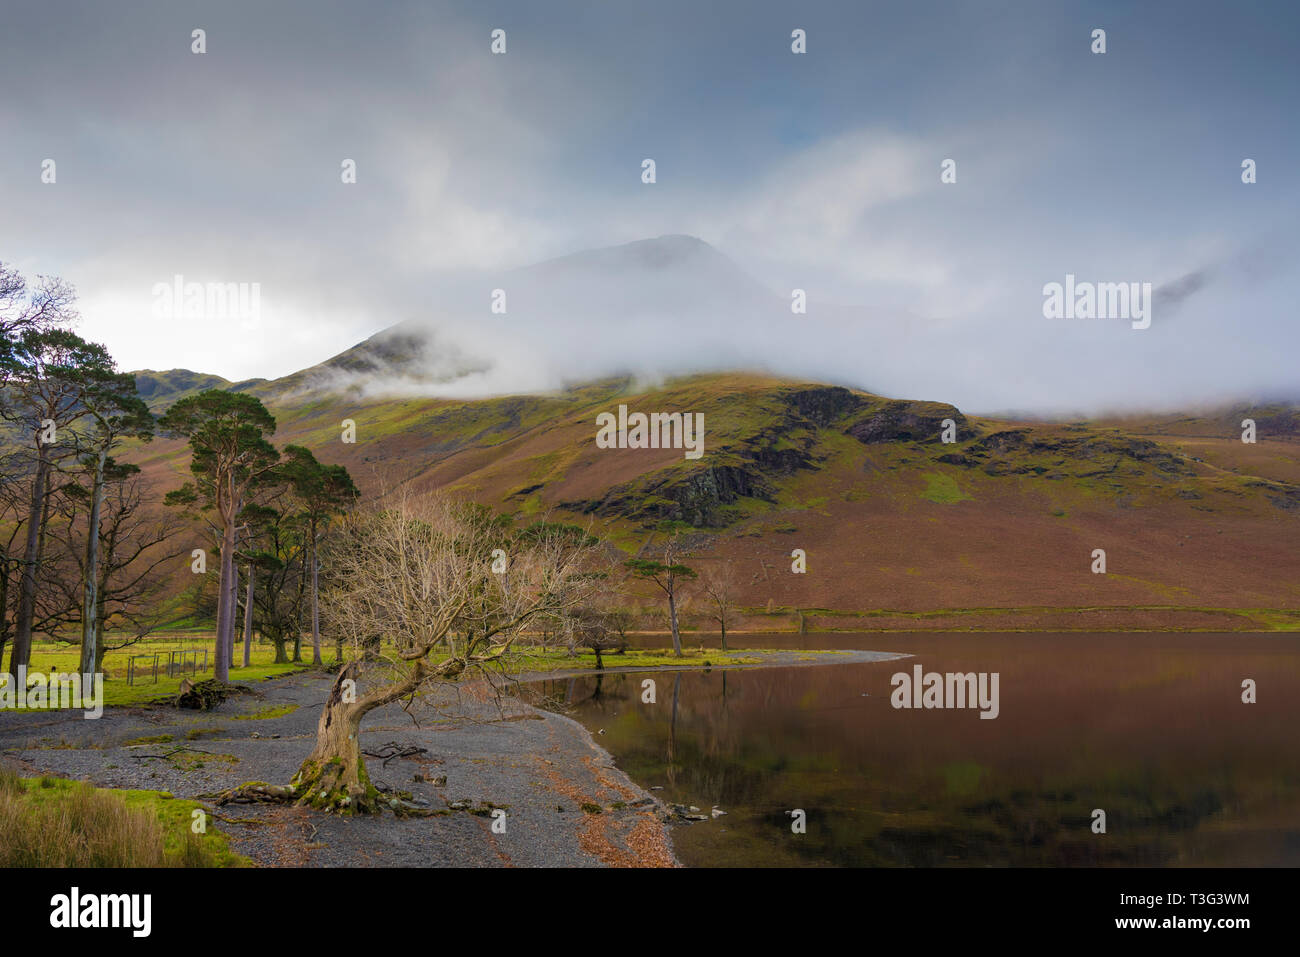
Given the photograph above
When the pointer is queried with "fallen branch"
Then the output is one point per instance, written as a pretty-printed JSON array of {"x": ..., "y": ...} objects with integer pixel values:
[
  {"x": 163, "y": 757},
  {"x": 392, "y": 750}
]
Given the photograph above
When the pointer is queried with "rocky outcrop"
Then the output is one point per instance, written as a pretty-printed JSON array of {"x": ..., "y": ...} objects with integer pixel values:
[
  {"x": 1023, "y": 451},
  {"x": 823, "y": 405},
  {"x": 699, "y": 496},
  {"x": 902, "y": 421}
]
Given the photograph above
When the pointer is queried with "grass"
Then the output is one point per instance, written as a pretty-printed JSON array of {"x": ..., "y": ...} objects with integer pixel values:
[
  {"x": 191, "y": 760},
  {"x": 64, "y": 658},
  {"x": 942, "y": 489},
  {"x": 53, "y": 822},
  {"x": 272, "y": 711},
  {"x": 152, "y": 739},
  {"x": 650, "y": 658}
]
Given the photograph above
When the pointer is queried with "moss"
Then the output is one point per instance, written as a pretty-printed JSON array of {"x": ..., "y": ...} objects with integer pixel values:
[
  {"x": 274, "y": 711},
  {"x": 195, "y": 734},
  {"x": 590, "y": 808},
  {"x": 154, "y": 739}
]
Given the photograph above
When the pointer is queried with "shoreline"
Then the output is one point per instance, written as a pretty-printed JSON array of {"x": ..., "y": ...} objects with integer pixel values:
[
  {"x": 566, "y": 802},
  {"x": 775, "y": 659}
]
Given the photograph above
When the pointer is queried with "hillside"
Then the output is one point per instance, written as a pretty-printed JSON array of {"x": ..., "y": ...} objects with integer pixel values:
[
  {"x": 900, "y": 529},
  {"x": 995, "y": 531}
]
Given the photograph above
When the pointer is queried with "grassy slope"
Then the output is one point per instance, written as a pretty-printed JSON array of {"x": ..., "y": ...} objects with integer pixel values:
[{"x": 886, "y": 524}]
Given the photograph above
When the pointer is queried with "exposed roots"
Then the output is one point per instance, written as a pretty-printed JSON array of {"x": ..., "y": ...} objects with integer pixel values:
[
  {"x": 329, "y": 787},
  {"x": 253, "y": 792}
]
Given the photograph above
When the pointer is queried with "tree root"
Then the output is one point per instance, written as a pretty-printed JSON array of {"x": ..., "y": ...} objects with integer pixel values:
[
  {"x": 254, "y": 792},
  {"x": 240, "y": 820}
]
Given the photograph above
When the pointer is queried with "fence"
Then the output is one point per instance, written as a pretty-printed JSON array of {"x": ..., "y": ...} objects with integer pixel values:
[{"x": 181, "y": 662}]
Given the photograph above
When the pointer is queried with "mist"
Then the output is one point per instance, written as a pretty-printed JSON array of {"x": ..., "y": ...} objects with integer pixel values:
[{"x": 818, "y": 172}]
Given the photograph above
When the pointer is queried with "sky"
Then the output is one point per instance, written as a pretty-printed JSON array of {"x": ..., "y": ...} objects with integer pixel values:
[{"x": 818, "y": 171}]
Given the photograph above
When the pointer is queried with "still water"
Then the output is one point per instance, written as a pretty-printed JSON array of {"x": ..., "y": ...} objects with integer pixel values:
[{"x": 1149, "y": 728}]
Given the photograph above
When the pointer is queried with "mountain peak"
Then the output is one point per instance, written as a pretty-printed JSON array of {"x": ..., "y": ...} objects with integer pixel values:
[{"x": 661, "y": 252}]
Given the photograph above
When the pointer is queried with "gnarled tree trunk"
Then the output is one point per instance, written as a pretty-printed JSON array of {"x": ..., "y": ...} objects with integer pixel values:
[{"x": 334, "y": 777}]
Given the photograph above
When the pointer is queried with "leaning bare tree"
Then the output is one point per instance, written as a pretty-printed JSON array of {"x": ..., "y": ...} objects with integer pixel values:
[{"x": 415, "y": 589}]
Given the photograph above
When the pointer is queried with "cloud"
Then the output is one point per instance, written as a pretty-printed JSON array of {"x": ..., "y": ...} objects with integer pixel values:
[{"x": 817, "y": 172}]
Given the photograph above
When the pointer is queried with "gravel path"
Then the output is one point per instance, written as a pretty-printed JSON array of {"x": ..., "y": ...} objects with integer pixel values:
[{"x": 543, "y": 768}]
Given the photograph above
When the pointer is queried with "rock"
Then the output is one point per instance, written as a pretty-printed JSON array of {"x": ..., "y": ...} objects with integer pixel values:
[
  {"x": 902, "y": 421},
  {"x": 825, "y": 404}
]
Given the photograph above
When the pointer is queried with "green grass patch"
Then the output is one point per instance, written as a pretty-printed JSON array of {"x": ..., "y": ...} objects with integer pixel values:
[
  {"x": 191, "y": 760},
  {"x": 942, "y": 489},
  {"x": 53, "y": 822},
  {"x": 273, "y": 711}
]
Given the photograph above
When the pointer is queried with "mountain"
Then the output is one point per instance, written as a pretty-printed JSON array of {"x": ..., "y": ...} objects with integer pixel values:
[
  {"x": 654, "y": 308},
  {"x": 901, "y": 530},
  {"x": 161, "y": 389}
]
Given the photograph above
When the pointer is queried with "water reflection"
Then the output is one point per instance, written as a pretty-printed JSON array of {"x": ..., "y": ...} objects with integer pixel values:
[{"x": 1149, "y": 728}]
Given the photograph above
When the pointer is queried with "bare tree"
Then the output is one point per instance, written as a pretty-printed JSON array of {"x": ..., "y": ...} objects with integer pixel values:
[
  {"x": 598, "y": 631},
  {"x": 412, "y": 570},
  {"x": 718, "y": 583},
  {"x": 138, "y": 547}
]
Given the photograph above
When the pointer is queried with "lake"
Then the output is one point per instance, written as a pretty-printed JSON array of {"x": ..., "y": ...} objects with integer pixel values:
[{"x": 1149, "y": 728}]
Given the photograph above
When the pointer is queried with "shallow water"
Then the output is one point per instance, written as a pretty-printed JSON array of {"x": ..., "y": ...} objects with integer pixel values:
[{"x": 1150, "y": 728}]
